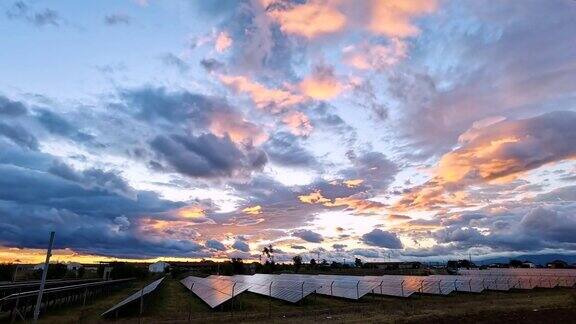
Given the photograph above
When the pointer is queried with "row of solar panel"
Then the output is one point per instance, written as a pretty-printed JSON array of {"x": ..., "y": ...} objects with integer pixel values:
[
  {"x": 145, "y": 291},
  {"x": 216, "y": 290}
]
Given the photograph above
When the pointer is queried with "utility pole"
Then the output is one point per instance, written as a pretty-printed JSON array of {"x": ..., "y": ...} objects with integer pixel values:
[{"x": 43, "y": 282}]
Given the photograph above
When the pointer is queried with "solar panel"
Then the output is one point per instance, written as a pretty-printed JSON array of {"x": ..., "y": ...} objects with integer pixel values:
[
  {"x": 384, "y": 287},
  {"x": 462, "y": 284},
  {"x": 528, "y": 278},
  {"x": 214, "y": 291},
  {"x": 338, "y": 287},
  {"x": 135, "y": 296},
  {"x": 275, "y": 287}
]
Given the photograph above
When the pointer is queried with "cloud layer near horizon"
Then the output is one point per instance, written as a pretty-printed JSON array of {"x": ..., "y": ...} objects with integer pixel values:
[{"x": 417, "y": 129}]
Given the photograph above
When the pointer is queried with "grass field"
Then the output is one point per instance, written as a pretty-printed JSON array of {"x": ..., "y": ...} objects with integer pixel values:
[{"x": 174, "y": 304}]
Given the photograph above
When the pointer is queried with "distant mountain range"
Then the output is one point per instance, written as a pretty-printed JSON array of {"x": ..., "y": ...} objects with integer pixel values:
[{"x": 534, "y": 258}]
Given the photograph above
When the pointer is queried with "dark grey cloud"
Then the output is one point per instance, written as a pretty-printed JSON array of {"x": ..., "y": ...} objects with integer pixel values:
[
  {"x": 207, "y": 156},
  {"x": 339, "y": 247},
  {"x": 378, "y": 237},
  {"x": 58, "y": 125},
  {"x": 374, "y": 168},
  {"x": 286, "y": 149},
  {"x": 308, "y": 236},
  {"x": 93, "y": 211},
  {"x": 215, "y": 245},
  {"x": 297, "y": 247},
  {"x": 19, "y": 135},
  {"x": 12, "y": 108},
  {"x": 117, "y": 19},
  {"x": 211, "y": 64},
  {"x": 154, "y": 103},
  {"x": 241, "y": 246}
]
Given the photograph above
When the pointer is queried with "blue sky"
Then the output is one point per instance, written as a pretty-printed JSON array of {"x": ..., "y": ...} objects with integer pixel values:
[{"x": 209, "y": 129}]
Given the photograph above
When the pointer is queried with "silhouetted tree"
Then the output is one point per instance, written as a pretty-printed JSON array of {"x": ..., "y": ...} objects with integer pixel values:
[
  {"x": 122, "y": 270},
  {"x": 313, "y": 263},
  {"x": 358, "y": 263},
  {"x": 268, "y": 251},
  {"x": 238, "y": 266},
  {"x": 515, "y": 263},
  {"x": 297, "y": 262}
]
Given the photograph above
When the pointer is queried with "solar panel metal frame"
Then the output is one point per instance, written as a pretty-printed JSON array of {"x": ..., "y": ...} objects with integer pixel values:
[
  {"x": 148, "y": 289},
  {"x": 214, "y": 291},
  {"x": 275, "y": 287},
  {"x": 463, "y": 283},
  {"x": 349, "y": 289},
  {"x": 385, "y": 287}
]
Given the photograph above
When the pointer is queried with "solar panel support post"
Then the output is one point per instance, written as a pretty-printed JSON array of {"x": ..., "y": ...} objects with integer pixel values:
[
  {"x": 141, "y": 304},
  {"x": 233, "y": 286},
  {"x": 331, "y": 284},
  {"x": 357, "y": 289},
  {"x": 15, "y": 272},
  {"x": 43, "y": 282},
  {"x": 190, "y": 303},
  {"x": 270, "y": 299},
  {"x": 402, "y": 287}
]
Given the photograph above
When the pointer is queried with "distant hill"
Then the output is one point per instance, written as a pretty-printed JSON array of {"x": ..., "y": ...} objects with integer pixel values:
[{"x": 535, "y": 258}]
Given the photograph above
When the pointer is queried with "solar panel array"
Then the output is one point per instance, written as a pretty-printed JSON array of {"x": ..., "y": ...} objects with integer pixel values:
[
  {"x": 148, "y": 289},
  {"x": 274, "y": 286},
  {"x": 342, "y": 286},
  {"x": 507, "y": 278},
  {"x": 214, "y": 291}
]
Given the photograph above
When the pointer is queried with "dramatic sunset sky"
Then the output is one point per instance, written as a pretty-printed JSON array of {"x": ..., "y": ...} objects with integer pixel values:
[{"x": 378, "y": 129}]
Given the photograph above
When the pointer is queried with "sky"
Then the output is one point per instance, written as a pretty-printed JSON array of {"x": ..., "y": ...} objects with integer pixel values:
[{"x": 376, "y": 129}]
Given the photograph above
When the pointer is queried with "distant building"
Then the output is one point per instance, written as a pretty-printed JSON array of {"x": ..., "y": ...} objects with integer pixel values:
[
  {"x": 393, "y": 265},
  {"x": 528, "y": 264},
  {"x": 557, "y": 264},
  {"x": 158, "y": 267},
  {"x": 73, "y": 266}
]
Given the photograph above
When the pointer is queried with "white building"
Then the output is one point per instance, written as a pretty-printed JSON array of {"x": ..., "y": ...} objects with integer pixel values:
[
  {"x": 158, "y": 266},
  {"x": 73, "y": 266}
]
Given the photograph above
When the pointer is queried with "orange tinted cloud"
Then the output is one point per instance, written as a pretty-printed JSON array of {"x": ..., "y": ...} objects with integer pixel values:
[
  {"x": 298, "y": 123},
  {"x": 357, "y": 205},
  {"x": 322, "y": 84},
  {"x": 353, "y": 183},
  {"x": 254, "y": 210},
  {"x": 223, "y": 42},
  {"x": 310, "y": 19},
  {"x": 239, "y": 130},
  {"x": 191, "y": 212},
  {"x": 496, "y": 152},
  {"x": 264, "y": 98},
  {"x": 313, "y": 198},
  {"x": 368, "y": 57},
  {"x": 393, "y": 18}
]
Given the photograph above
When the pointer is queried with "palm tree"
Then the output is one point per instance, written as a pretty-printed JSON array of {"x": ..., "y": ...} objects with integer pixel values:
[{"x": 269, "y": 252}]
